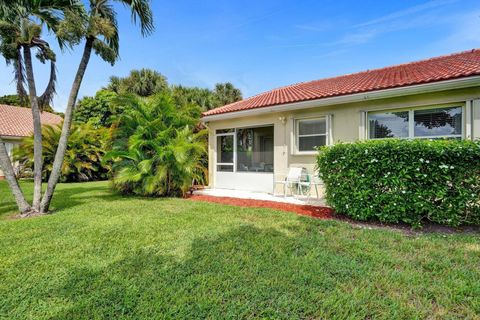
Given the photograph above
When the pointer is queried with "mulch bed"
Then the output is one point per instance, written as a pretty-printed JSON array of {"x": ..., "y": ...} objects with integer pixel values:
[{"x": 304, "y": 210}]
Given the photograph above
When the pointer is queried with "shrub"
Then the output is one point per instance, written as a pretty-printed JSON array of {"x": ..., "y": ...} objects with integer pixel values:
[
  {"x": 83, "y": 158},
  {"x": 155, "y": 150},
  {"x": 407, "y": 181}
]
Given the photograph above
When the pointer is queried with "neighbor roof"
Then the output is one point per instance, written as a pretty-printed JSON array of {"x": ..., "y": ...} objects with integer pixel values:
[
  {"x": 17, "y": 121},
  {"x": 457, "y": 65}
]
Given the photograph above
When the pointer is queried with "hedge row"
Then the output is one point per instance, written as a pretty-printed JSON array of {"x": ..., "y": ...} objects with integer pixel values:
[{"x": 409, "y": 181}]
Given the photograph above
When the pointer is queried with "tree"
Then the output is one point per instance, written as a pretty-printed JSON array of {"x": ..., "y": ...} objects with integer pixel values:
[
  {"x": 226, "y": 93},
  {"x": 202, "y": 97},
  {"x": 144, "y": 82},
  {"x": 155, "y": 151},
  {"x": 97, "y": 110},
  {"x": 83, "y": 160},
  {"x": 100, "y": 31},
  {"x": 21, "y": 24}
]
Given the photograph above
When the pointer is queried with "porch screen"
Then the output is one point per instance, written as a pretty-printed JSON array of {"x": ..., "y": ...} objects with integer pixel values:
[{"x": 255, "y": 149}]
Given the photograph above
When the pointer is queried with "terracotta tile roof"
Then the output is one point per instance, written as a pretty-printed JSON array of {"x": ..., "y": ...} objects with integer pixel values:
[
  {"x": 17, "y": 121},
  {"x": 457, "y": 65}
]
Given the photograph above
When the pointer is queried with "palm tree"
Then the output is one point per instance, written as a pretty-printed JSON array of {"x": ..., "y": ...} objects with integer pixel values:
[
  {"x": 144, "y": 82},
  {"x": 155, "y": 151},
  {"x": 100, "y": 31},
  {"x": 21, "y": 25},
  {"x": 226, "y": 93}
]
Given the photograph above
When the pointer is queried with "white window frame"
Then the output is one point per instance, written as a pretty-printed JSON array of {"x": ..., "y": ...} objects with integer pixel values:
[
  {"x": 327, "y": 133},
  {"x": 234, "y": 163},
  {"x": 411, "y": 121}
]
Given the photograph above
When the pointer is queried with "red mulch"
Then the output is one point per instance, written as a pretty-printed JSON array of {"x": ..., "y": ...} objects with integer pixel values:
[{"x": 305, "y": 210}]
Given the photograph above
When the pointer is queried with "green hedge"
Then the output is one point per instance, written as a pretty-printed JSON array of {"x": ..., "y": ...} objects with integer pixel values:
[{"x": 409, "y": 181}]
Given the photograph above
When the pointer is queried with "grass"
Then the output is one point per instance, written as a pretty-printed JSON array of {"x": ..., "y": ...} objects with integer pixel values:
[{"x": 105, "y": 256}]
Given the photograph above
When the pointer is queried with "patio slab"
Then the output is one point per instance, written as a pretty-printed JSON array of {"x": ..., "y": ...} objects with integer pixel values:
[{"x": 300, "y": 200}]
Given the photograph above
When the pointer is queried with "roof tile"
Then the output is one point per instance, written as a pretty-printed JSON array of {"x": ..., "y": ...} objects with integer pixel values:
[
  {"x": 457, "y": 65},
  {"x": 17, "y": 121}
]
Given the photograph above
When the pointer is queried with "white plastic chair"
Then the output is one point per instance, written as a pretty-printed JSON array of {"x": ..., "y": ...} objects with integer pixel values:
[
  {"x": 307, "y": 182},
  {"x": 292, "y": 180}
]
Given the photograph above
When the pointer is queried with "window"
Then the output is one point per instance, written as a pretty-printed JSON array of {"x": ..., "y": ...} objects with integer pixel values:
[
  {"x": 311, "y": 133},
  {"x": 439, "y": 122},
  {"x": 442, "y": 122},
  {"x": 245, "y": 149},
  {"x": 9, "y": 147},
  {"x": 388, "y": 125}
]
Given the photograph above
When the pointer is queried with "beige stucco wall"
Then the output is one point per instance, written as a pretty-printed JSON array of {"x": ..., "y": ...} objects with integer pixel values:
[
  {"x": 345, "y": 122},
  {"x": 14, "y": 142}
]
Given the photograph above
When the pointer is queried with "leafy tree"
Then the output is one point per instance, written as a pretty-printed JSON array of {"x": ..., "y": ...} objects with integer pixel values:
[
  {"x": 144, "y": 82},
  {"x": 83, "y": 159},
  {"x": 97, "y": 110},
  {"x": 155, "y": 151},
  {"x": 226, "y": 93},
  {"x": 16, "y": 100},
  {"x": 99, "y": 28}
]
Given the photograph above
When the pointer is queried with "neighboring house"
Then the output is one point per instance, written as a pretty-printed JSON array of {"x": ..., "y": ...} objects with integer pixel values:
[
  {"x": 253, "y": 142},
  {"x": 16, "y": 123}
]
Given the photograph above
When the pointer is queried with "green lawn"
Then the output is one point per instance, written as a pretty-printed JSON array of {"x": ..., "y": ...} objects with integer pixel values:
[{"x": 104, "y": 256}]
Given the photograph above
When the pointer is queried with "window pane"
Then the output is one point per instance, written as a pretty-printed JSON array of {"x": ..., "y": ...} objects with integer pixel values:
[
  {"x": 312, "y": 126},
  {"x": 255, "y": 149},
  {"x": 225, "y": 168},
  {"x": 225, "y": 149},
  {"x": 310, "y": 143},
  {"x": 388, "y": 125},
  {"x": 438, "y": 122}
]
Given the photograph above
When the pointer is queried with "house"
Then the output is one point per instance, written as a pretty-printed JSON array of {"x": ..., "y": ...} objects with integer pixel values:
[
  {"x": 253, "y": 142},
  {"x": 16, "y": 123}
]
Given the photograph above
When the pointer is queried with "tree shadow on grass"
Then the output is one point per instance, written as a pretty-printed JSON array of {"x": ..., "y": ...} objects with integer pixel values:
[
  {"x": 247, "y": 272},
  {"x": 67, "y": 196}
]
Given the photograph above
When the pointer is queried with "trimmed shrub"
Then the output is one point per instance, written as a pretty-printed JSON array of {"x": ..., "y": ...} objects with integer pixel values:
[{"x": 409, "y": 181}]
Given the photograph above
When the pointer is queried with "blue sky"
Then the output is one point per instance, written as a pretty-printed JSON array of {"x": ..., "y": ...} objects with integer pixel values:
[{"x": 260, "y": 45}]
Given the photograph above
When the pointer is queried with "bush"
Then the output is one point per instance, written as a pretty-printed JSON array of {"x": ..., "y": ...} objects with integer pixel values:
[
  {"x": 155, "y": 149},
  {"x": 409, "y": 181},
  {"x": 83, "y": 158}
]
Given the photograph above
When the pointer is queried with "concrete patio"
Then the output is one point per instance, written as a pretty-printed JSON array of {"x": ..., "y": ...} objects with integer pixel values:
[{"x": 300, "y": 200}]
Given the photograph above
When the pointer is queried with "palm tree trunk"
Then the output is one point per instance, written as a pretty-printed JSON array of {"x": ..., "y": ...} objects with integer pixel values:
[
  {"x": 7, "y": 168},
  {"x": 37, "y": 130},
  {"x": 67, "y": 122}
]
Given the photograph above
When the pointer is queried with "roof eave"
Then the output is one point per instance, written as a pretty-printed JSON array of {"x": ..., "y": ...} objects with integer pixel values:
[{"x": 459, "y": 83}]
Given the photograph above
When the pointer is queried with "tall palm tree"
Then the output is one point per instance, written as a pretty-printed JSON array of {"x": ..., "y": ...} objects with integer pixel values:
[
  {"x": 21, "y": 25},
  {"x": 226, "y": 93},
  {"x": 100, "y": 32}
]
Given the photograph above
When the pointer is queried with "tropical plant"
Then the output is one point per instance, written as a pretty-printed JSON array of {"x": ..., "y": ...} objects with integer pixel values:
[
  {"x": 144, "y": 82},
  {"x": 155, "y": 151},
  {"x": 99, "y": 28},
  {"x": 83, "y": 160}
]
